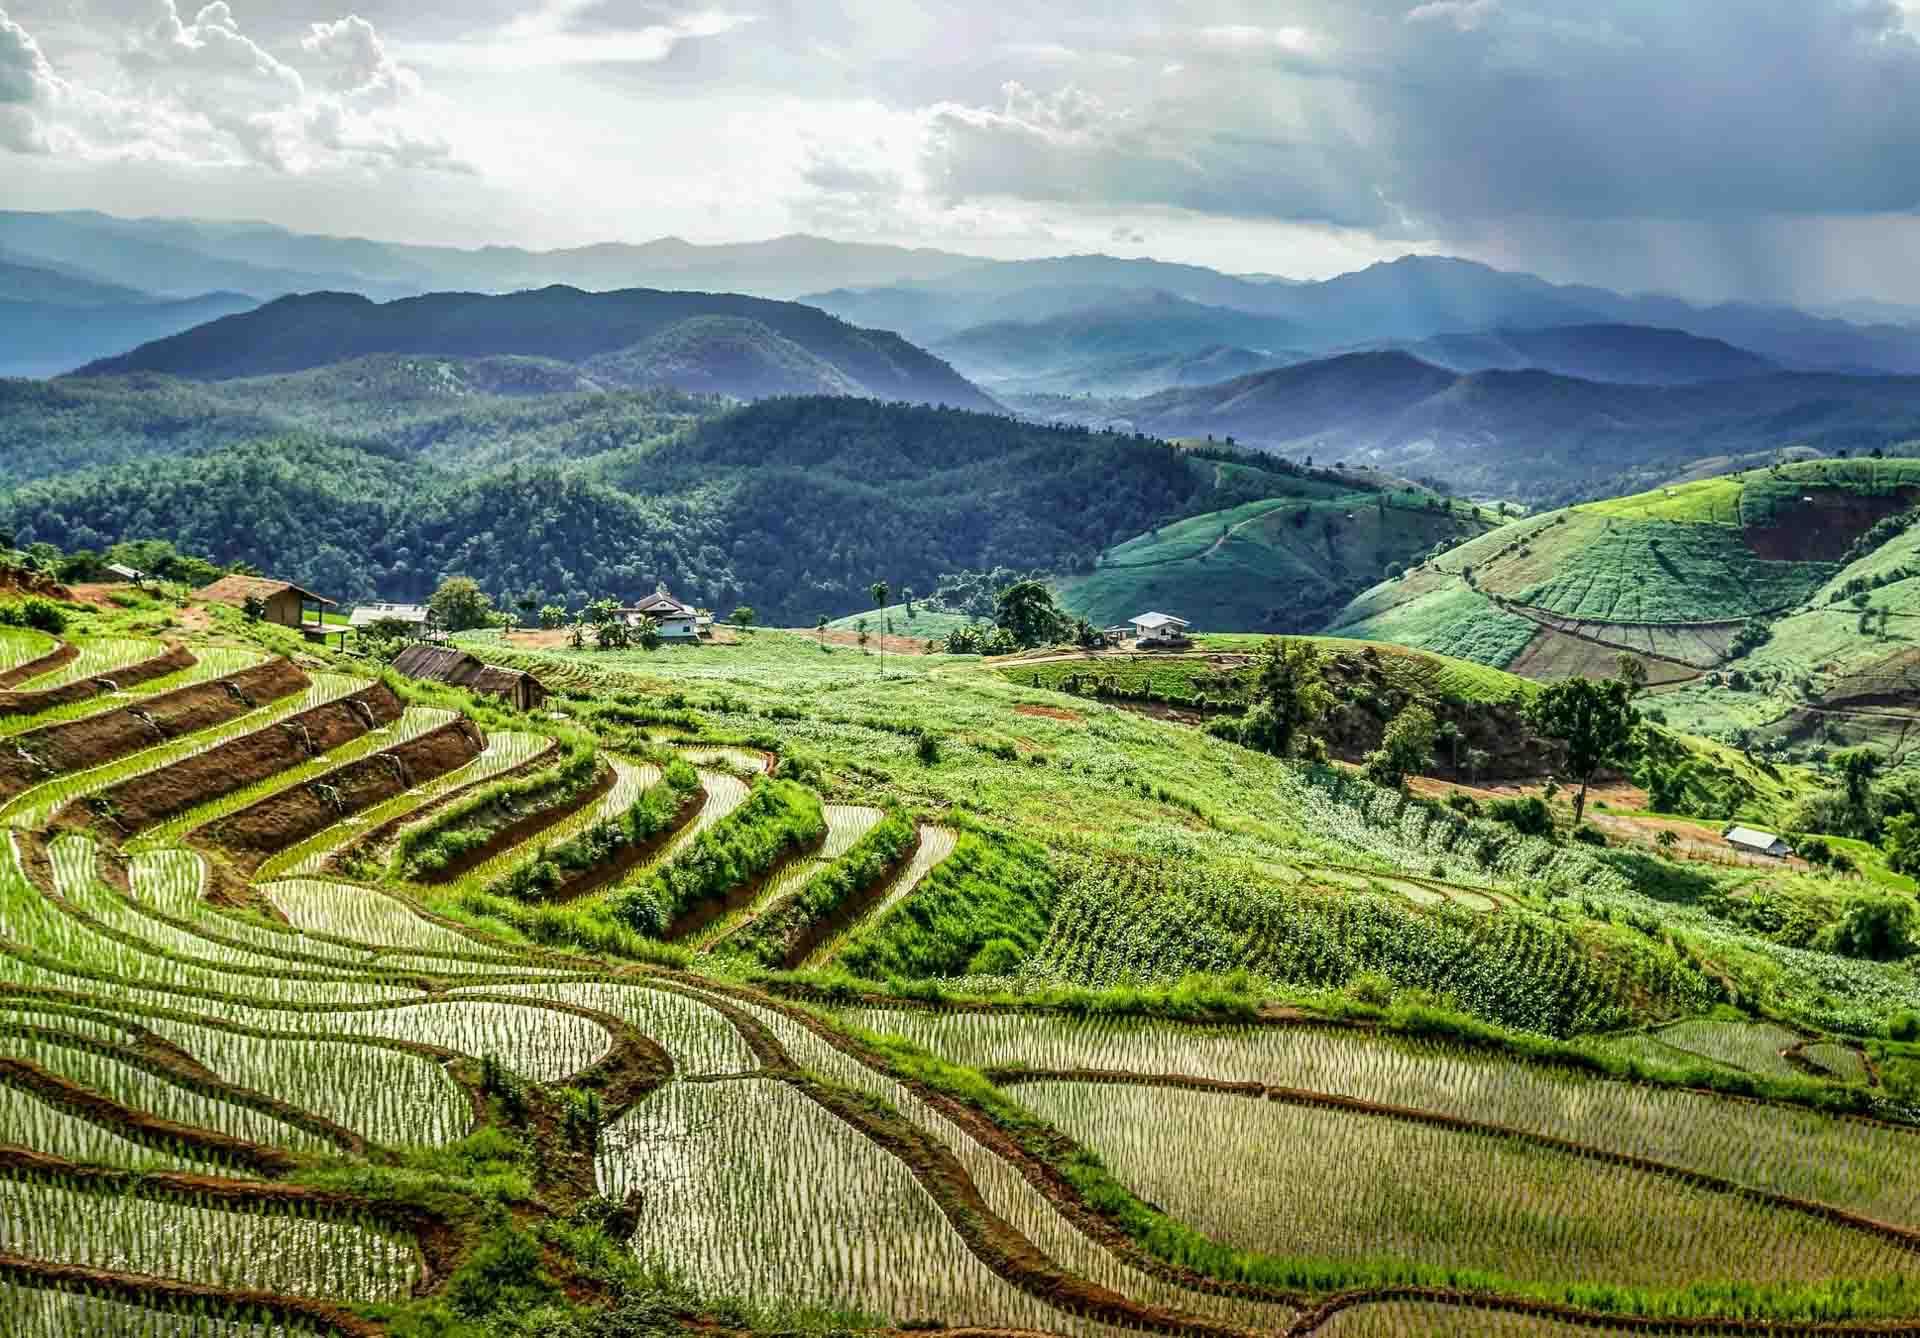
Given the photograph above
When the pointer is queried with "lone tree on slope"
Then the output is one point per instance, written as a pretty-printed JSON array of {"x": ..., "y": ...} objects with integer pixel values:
[
  {"x": 1595, "y": 719},
  {"x": 1290, "y": 694}
]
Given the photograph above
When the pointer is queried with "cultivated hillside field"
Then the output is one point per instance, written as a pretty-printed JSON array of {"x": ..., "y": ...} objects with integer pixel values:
[{"x": 781, "y": 984}]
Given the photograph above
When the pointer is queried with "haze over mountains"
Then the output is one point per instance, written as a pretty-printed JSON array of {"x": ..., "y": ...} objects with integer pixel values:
[{"x": 1492, "y": 383}]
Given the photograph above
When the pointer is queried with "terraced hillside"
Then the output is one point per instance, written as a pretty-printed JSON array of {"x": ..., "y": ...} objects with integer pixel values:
[
  {"x": 335, "y": 1003},
  {"x": 1673, "y": 576}
]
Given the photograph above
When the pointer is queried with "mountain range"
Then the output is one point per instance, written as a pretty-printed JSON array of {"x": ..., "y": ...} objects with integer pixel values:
[{"x": 745, "y": 346}]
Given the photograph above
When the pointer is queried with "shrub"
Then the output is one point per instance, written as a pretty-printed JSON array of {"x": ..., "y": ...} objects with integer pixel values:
[
  {"x": 1529, "y": 816},
  {"x": 927, "y": 749},
  {"x": 1588, "y": 835},
  {"x": 43, "y": 615},
  {"x": 1904, "y": 1026}
]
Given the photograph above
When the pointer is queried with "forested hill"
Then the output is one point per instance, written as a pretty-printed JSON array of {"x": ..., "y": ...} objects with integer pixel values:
[
  {"x": 792, "y": 505},
  {"x": 316, "y": 329}
]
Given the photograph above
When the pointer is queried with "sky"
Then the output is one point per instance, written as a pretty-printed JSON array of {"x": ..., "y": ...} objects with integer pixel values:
[{"x": 1714, "y": 148}]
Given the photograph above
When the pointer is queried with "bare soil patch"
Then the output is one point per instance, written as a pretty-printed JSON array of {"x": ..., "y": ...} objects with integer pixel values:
[{"x": 1051, "y": 713}]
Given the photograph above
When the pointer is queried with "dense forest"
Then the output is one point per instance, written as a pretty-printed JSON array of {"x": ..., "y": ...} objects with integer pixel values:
[{"x": 793, "y": 505}]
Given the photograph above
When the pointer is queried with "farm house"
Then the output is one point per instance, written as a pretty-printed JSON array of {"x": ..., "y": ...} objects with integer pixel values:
[
  {"x": 677, "y": 621},
  {"x": 417, "y": 617},
  {"x": 1754, "y": 842},
  {"x": 283, "y": 602},
  {"x": 1162, "y": 629},
  {"x": 445, "y": 664}
]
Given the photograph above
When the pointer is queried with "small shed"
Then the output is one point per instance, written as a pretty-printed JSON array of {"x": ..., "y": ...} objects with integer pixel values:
[
  {"x": 453, "y": 666},
  {"x": 1158, "y": 628},
  {"x": 1755, "y": 842},
  {"x": 282, "y": 602},
  {"x": 418, "y": 618},
  {"x": 676, "y": 621},
  {"x": 121, "y": 571}
]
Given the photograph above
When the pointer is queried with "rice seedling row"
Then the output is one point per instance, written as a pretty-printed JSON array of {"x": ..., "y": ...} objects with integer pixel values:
[
  {"x": 722, "y": 1200},
  {"x": 1842, "y": 1061},
  {"x": 367, "y": 916},
  {"x": 36, "y": 807},
  {"x": 138, "y": 1089},
  {"x": 1331, "y": 1186},
  {"x": 413, "y": 722},
  {"x": 504, "y": 751},
  {"x": 630, "y": 778},
  {"x": 1428, "y": 1319},
  {"x": 23, "y": 645},
  {"x": 700, "y": 1041},
  {"x": 1753, "y": 1046},
  {"x": 936, "y": 843},
  {"x": 171, "y": 884},
  {"x": 390, "y": 1097},
  {"x": 1867, "y": 1168},
  {"x": 733, "y": 759},
  {"x": 41, "y": 1312},
  {"x": 64, "y": 945},
  {"x": 210, "y": 662},
  {"x": 31, "y": 1122},
  {"x": 271, "y": 1246},
  {"x": 98, "y": 658},
  {"x": 74, "y": 879},
  {"x": 1007, "y": 1192}
]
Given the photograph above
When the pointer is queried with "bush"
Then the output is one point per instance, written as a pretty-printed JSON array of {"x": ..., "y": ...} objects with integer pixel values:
[
  {"x": 1874, "y": 927},
  {"x": 927, "y": 749},
  {"x": 1588, "y": 835},
  {"x": 43, "y": 615},
  {"x": 1529, "y": 816},
  {"x": 1904, "y": 1026}
]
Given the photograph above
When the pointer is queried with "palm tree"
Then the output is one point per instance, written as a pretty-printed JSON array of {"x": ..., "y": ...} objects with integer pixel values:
[
  {"x": 879, "y": 591},
  {"x": 1666, "y": 841}
]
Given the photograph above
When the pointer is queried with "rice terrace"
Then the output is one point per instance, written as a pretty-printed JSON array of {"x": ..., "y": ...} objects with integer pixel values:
[
  {"x": 890, "y": 668},
  {"x": 778, "y": 983}
]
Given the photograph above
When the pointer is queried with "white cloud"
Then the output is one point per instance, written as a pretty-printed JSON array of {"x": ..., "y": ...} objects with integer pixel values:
[
  {"x": 1247, "y": 37},
  {"x": 1465, "y": 15},
  {"x": 204, "y": 93},
  {"x": 549, "y": 36}
]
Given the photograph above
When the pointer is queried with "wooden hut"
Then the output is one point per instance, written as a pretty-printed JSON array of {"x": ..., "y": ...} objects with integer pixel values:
[{"x": 451, "y": 665}]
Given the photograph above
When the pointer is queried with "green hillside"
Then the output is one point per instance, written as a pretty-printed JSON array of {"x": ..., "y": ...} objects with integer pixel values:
[
  {"x": 1673, "y": 575},
  {"x": 1278, "y": 564},
  {"x": 795, "y": 506}
]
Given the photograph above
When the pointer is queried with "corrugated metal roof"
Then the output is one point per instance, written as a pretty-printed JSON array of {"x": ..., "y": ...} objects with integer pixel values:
[{"x": 1750, "y": 836}]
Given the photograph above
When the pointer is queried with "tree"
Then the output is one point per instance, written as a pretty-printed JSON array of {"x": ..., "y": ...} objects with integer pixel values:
[
  {"x": 906, "y": 594},
  {"x": 460, "y": 605},
  {"x": 254, "y": 607},
  {"x": 1633, "y": 672},
  {"x": 552, "y": 616},
  {"x": 612, "y": 635},
  {"x": 1666, "y": 841},
  {"x": 529, "y": 605},
  {"x": 1858, "y": 767},
  {"x": 1406, "y": 749},
  {"x": 1289, "y": 694},
  {"x": 1026, "y": 611},
  {"x": 644, "y": 634},
  {"x": 820, "y": 627},
  {"x": 1595, "y": 719},
  {"x": 742, "y": 616},
  {"x": 1903, "y": 843}
]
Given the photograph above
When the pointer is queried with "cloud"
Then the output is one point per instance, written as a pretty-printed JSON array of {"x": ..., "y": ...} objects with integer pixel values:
[
  {"x": 1465, "y": 15},
  {"x": 557, "y": 34},
  {"x": 204, "y": 93},
  {"x": 1073, "y": 146}
]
